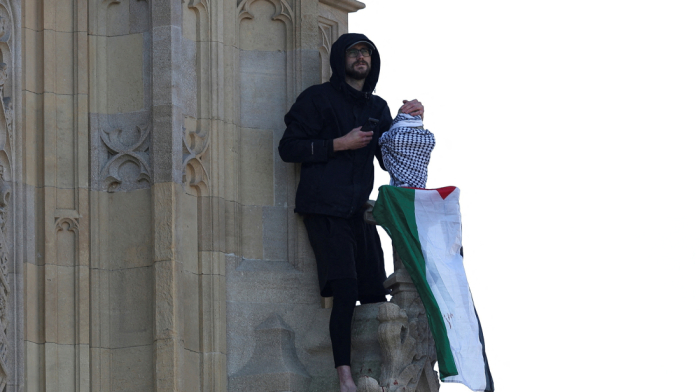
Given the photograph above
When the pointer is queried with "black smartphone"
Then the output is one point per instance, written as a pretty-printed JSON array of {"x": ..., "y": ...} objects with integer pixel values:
[{"x": 369, "y": 125}]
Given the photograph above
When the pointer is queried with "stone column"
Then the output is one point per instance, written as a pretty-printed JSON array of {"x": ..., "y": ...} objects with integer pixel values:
[{"x": 57, "y": 177}]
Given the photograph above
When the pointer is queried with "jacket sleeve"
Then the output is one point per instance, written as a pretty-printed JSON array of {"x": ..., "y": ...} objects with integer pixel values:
[
  {"x": 302, "y": 140},
  {"x": 383, "y": 126}
]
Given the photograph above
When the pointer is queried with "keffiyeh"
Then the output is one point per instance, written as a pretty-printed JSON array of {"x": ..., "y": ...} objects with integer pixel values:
[{"x": 406, "y": 149}]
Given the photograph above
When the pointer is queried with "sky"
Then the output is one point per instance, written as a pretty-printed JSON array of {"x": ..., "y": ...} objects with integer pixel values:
[{"x": 572, "y": 129}]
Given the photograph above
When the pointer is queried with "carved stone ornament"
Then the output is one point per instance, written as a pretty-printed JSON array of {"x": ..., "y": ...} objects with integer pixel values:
[
  {"x": 403, "y": 369},
  {"x": 4, "y": 285},
  {"x": 6, "y": 101},
  {"x": 195, "y": 144},
  {"x": 282, "y": 9},
  {"x": 128, "y": 164}
]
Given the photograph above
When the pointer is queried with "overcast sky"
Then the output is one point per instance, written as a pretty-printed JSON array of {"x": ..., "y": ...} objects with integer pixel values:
[{"x": 573, "y": 130}]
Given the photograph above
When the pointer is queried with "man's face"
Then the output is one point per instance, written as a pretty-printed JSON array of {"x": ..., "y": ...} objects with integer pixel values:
[{"x": 357, "y": 65}]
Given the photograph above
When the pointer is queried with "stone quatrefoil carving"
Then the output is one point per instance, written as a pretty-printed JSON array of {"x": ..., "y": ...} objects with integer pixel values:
[{"x": 128, "y": 163}]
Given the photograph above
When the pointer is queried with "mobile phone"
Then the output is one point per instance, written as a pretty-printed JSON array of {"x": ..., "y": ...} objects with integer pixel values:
[{"x": 369, "y": 125}]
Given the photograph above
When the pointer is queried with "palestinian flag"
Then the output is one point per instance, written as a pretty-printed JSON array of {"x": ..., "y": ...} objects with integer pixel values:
[{"x": 426, "y": 229}]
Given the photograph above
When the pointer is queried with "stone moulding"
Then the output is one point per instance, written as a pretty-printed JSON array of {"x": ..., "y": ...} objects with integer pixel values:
[{"x": 345, "y": 5}]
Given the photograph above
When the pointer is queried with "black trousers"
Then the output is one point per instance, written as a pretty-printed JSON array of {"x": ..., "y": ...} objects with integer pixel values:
[
  {"x": 347, "y": 248},
  {"x": 350, "y": 267}
]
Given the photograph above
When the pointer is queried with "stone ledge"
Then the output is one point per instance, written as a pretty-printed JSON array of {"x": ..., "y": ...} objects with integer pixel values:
[{"x": 345, "y": 5}]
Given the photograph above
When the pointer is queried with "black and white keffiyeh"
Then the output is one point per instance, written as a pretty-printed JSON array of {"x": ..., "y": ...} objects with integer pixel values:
[{"x": 406, "y": 149}]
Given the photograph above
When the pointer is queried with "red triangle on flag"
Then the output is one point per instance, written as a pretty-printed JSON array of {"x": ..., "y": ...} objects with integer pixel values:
[{"x": 444, "y": 192}]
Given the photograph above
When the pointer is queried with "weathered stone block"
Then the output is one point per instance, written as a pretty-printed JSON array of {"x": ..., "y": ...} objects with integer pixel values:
[
  {"x": 166, "y": 12},
  {"x": 131, "y": 307},
  {"x": 165, "y": 87},
  {"x": 132, "y": 369},
  {"x": 128, "y": 231},
  {"x": 117, "y": 18},
  {"x": 65, "y": 62},
  {"x": 139, "y": 16},
  {"x": 192, "y": 377},
  {"x": 169, "y": 360},
  {"x": 252, "y": 238},
  {"x": 34, "y": 276},
  {"x": 32, "y": 61},
  {"x": 191, "y": 311},
  {"x": 188, "y": 232},
  {"x": 36, "y": 377},
  {"x": 274, "y": 364},
  {"x": 67, "y": 306},
  {"x": 275, "y": 233},
  {"x": 124, "y": 73},
  {"x": 257, "y": 180},
  {"x": 164, "y": 220},
  {"x": 263, "y": 89}
]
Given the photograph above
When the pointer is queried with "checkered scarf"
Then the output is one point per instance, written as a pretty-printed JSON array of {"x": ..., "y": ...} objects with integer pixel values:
[{"x": 406, "y": 148}]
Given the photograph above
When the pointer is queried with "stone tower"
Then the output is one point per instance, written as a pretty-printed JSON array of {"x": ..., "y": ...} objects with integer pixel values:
[{"x": 147, "y": 234}]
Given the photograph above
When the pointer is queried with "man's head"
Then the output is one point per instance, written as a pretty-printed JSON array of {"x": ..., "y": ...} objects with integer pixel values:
[
  {"x": 358, "y": 60},
  {"x": 352, "y": 67}
]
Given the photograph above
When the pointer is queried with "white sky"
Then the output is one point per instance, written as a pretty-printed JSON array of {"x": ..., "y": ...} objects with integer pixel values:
[{"x": 573, "y": 131}]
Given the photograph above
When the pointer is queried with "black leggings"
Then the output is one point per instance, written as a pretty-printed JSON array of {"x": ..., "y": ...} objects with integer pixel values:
[{"x": 340, "y": 326}]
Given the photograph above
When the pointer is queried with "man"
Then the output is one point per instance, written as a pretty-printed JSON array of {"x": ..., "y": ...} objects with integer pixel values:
[{"x": 324, "y": 133}]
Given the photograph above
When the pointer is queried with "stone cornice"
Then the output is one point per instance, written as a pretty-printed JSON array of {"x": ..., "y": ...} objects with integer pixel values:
[{"x": 345, "y": 5}]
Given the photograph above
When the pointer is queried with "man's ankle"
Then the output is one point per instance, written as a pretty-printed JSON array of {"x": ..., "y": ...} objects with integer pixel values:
[{"x": 347, "y": 384}]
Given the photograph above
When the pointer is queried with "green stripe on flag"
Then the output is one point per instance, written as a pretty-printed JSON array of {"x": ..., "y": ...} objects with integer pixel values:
[{"x": 395, "y": 212}]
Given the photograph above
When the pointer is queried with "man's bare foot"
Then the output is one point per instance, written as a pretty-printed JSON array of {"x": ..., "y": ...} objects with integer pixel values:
[{"x": 345, "y": 377}]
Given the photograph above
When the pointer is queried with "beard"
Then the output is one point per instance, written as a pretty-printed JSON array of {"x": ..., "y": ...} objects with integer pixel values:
[{"x": 355, "y": 74}]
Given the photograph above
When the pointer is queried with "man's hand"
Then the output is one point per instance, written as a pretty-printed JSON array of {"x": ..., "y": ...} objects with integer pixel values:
[
  {"x": 414, "y": 108},
  {"x": 352, "y": 140}
]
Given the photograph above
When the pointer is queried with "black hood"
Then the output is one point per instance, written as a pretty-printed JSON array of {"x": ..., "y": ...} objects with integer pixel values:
[{"x": 338, "y": 62}]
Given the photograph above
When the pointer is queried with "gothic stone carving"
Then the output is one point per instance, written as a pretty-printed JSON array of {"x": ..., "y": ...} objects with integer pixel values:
[
  {"x": 4, "y": 286},
  {"x": 6, "y": 144},
  {"x": 403, "y": 368},
  {"x": 195, "y": 143},
  {"x": 282, "y": 10},
  {"x": 128, "y": 165}
]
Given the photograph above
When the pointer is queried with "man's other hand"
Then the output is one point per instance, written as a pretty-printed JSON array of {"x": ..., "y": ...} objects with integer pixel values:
[
  {"x": 352, "y": 140},
  {"x": 414, "y": 108}
]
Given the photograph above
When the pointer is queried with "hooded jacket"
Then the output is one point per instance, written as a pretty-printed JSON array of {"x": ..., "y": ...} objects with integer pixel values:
[{"x": 335, "y": 183}]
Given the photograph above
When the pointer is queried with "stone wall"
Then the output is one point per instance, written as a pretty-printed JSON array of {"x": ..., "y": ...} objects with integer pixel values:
[{"x": 147, "y": 234}]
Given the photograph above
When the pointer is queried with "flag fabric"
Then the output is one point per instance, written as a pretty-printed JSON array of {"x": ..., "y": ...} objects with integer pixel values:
[{"x": 426, "y": 229}]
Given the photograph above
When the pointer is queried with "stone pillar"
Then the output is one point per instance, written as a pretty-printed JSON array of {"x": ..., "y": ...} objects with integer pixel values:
[{"x": 56, "y": 148}]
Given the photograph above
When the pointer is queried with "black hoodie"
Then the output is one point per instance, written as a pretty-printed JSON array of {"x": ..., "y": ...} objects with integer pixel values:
[{"x": 335, "y": 183}]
